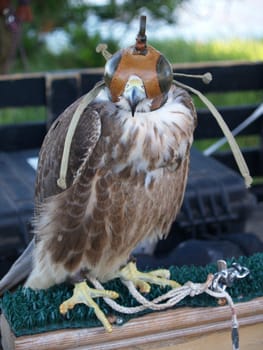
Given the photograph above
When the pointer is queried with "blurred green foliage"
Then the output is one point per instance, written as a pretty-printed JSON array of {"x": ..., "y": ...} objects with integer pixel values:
[
  {"x": 125, "y": 11},
  {"x": 70, "y": 17},
  {"x": 180, "y": 51}
]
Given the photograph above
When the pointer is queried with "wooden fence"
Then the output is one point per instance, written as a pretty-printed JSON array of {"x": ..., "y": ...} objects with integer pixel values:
[{"x": 57, "y": 90}]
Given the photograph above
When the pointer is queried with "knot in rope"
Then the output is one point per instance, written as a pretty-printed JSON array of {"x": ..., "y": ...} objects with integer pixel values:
[{"x": 213, "y": 286}]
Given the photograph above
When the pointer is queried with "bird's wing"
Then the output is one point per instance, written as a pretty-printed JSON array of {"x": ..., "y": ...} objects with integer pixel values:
[
  {"x": 85, "y": 138},
  {"x": 84, "y": 141}
]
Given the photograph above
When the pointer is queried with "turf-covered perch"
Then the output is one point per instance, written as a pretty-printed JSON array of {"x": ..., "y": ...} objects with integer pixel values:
[{"x": 32, "y": 312}]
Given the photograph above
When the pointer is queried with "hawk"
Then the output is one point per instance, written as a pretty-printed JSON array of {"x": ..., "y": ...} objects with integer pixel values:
[{"x": 125, "y": 179}]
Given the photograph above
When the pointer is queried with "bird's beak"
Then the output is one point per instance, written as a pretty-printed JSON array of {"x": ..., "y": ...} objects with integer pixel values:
[
  {"x": 133, "y": 99},
  {"x": 134, "y": 92}
]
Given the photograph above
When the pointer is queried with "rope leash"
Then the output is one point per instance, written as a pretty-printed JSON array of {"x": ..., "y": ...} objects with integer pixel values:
[
  {"x": 173, "y": 297},
  {"x": 86, "y": 100},
  {"x": 241, "y": 163},
  {"x": 214, "y": 286},
  {"x": 90, "y": 96},
  {"x": 249, "y": 120}
]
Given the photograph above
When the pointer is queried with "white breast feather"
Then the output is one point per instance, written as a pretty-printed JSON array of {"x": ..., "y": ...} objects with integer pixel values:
[{"x": 173, "y": 115}]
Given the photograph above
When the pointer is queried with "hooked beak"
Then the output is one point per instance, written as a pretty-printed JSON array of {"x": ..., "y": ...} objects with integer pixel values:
[{"x": 134, "y": 92}]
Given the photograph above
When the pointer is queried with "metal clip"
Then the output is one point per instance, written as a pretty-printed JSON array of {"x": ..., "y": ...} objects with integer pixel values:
[{"x": 225, "y": 277}]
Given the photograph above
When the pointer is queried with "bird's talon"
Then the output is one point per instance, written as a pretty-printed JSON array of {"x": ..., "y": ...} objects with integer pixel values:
[
  {"x": 113, "y": 295},
  {"x": 162, "y": 273},
  {"x": 65, "y": 307},
  {"x": 62, "y": 309},
  {"x": 142, "y": 279},
  {"x": 83, "y": 294},
  {"x": 144, "y": 287}
]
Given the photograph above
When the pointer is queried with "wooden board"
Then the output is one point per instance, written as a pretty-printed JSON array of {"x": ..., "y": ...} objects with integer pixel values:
[
  {"x": 250, "y": 339},
  {"x": 162, "y": 330}
]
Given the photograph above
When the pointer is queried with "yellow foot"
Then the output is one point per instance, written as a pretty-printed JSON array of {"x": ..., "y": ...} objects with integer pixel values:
[
  {"x": 142, "y": 279},
  {"x": 83, "y": 294}
]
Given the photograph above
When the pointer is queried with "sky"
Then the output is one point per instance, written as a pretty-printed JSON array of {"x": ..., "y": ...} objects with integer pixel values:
[
  {"x": 198, "y": 20},
  {"x": 221, "y": 19}
]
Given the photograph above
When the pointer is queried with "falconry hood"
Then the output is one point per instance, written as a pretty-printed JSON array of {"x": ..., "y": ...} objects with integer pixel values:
[{"x": 143, "y": 61}]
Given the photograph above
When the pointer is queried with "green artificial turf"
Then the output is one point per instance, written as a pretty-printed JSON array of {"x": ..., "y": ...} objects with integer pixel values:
[{"x": 31, "y": 312}]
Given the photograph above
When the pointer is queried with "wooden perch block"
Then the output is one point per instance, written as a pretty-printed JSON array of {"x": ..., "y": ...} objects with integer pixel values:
[{"x": 160, "y": 330}]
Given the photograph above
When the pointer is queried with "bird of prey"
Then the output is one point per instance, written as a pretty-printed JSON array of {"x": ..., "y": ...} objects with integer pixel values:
[{"x": 125, "y": 179}]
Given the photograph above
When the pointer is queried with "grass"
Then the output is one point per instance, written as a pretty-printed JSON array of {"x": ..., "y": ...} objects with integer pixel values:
[
  {"x": 21, "y": 115},
  {"x": 232, "y": 98},
  {"x": 247, "y": 141},
  {"x": 180, "y": 51}
]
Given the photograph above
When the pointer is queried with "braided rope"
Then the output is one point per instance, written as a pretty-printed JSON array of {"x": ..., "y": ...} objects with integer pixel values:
[
  {"x": 86, "y": 100},
  {"x": 241, "y": 163},
  {"x": 173, "y": 297}
]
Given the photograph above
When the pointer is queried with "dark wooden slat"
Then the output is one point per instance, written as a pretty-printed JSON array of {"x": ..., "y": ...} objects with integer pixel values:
[
  {"x": 30, "y": 90},
  {"x": 226, "y": 76},
  {"x": 22, "y": 136},
  {"x": 20, "y": 92},
  {"x": 89, "y": 80},
  {"x": 252, "y": 156},
  {"x": 61, "y": 92},
  {"x": 208, "y": 128},
  {"x": 257, "y": 190}
]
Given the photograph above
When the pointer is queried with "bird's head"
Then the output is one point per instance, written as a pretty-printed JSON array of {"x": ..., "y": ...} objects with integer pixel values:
[{"x": 139, "y": 74}]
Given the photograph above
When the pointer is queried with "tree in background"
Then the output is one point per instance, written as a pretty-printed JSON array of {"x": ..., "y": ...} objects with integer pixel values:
[
  {"x": 22, "y": 38},
  {"x": 11, "y": 19}
]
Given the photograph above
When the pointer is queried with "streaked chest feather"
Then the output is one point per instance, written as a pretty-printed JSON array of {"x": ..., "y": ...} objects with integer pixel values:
[{"x": 153, "y": 140}]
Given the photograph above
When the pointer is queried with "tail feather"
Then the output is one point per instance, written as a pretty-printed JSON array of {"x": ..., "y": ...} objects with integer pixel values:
[{"x": 19, "y": 270}]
